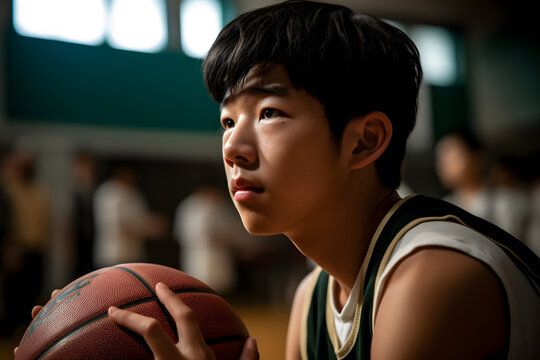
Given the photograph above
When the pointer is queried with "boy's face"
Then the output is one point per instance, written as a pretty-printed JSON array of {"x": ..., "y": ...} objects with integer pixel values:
[{"x": 282, "y": 167}]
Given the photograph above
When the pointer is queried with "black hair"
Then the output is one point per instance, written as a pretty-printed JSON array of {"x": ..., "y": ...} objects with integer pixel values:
[{"x": 353, "y": 64}]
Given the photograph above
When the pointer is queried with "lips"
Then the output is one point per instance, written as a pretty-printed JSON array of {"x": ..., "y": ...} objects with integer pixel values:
[{"x": 243, "y": 189}]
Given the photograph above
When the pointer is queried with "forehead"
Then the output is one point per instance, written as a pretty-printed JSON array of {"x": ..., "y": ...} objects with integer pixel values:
[{"x": 271, "y": 80}]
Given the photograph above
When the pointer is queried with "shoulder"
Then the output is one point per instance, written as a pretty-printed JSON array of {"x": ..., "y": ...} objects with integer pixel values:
[
  {"x": 294, "y": 331},
  {"x": 440, "y": 303}
]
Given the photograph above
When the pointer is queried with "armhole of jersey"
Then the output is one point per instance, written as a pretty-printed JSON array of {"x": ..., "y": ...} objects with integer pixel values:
[
  {"x": 386, "y": 258},
  {"x": 305, "y": 310}
]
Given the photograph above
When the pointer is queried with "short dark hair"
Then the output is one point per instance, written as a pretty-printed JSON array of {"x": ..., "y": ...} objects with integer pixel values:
[{"x": 353, "y": 64}]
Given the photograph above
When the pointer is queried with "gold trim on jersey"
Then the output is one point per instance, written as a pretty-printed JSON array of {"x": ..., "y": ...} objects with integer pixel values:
[
  {"x": 342, "y": 351},
  {"x": 305, "y": 310},
  {"x": 345, "y": 349}
]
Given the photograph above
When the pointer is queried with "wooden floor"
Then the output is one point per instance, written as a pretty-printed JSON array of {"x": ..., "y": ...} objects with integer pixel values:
[{"x": 268, "y": 324}]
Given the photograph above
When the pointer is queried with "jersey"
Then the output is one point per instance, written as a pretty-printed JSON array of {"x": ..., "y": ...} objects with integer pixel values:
[{"x": 319, "y": 339}]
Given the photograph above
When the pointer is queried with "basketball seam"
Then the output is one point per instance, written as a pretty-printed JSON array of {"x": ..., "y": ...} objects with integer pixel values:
[
  {"x": 153, "y": 297},
  {"x": 90, "y": 321},
  {"x": 104, "y": 314},
  {"x": 164, "y": 310}
]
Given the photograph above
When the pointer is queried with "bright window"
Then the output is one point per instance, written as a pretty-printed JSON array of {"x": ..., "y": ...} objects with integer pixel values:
[
  {"x": 78, "y": 21},
  {"x": 437, "y": 53},
  {"x": 200, "y": 23},
  {"x": 138, "y": 25}
]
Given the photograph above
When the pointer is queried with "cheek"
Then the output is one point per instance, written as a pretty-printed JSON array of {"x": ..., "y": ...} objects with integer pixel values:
[{"x": 305, "y": 172}]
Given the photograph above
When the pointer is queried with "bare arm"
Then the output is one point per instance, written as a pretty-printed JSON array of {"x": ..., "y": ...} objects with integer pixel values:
[
  {"x": 440, "y": 304},
  {"x": 293, "y": 351}
]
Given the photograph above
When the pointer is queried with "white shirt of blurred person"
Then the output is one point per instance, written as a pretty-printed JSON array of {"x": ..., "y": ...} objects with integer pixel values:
[
  {"x": 208, "y": 229},
  {"x": 123, "y": 221},
  {"x": 532, "y": 234},
  {"x": 511, "y": 206}
]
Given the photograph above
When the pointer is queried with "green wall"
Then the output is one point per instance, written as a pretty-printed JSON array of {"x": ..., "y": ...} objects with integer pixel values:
[{"x": 57, "y": 82}]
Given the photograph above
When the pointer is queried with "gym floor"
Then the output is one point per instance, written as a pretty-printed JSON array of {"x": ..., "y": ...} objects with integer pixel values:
[{"x": 269, "y": 326}]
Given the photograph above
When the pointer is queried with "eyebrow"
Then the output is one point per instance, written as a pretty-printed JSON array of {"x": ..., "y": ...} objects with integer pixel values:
[{"x": 270, "y": 89}]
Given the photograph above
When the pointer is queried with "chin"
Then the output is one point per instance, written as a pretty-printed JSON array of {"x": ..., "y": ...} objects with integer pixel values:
[{"x": 258, "y": 226}]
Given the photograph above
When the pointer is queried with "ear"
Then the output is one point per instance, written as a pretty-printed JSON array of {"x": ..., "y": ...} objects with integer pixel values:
[{"x": 365, "y": 139}]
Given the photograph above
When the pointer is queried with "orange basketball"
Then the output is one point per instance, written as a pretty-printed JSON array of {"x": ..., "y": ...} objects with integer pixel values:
[{"x": 75, "y": 324}]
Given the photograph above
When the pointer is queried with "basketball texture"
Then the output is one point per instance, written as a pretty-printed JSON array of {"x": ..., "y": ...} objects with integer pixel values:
[{"x": 75, "y": 324}]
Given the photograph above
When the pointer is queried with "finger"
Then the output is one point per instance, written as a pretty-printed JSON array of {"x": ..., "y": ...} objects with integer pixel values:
[
  {"x": 35, "y": 310},
  {"x": 186, "y": 323},
  {"x": 250, "y": 350},
  {"x": 149, "y": 328},
  {"x": 15, "y": 350}
]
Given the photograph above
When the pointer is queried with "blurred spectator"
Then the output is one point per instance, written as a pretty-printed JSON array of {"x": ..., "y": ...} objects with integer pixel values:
[
  {"x": 532, "y": 234},
  {"x": 404, "y": 190},
  {"x": 123, "y": 221},
  {"x": 209, "y": 232},
  {"x": 5, "y": 223},
  {"x": 510, "y": 197},
  {"x": 83, "y": 222},
  {"x": 500, "y": 198},
  {"x": 24, "y": 247},
  {"x": 460, "y": 166}
]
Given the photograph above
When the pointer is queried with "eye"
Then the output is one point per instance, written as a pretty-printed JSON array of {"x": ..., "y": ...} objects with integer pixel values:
[
  {"x": 269, "y": 113},
  {"x": 227, "y": 123}
]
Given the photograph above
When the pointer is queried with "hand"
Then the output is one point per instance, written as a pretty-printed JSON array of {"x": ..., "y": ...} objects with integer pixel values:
[
  {"x": 191, "y": 343},
  {"x": 36, "y": 309}
]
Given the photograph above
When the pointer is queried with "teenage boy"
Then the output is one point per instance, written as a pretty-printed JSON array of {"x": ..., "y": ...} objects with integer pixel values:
[{"x": 316, "y": 107}]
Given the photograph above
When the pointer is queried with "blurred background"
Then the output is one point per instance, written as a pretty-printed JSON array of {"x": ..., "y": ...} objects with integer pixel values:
[{"x": 109, "y": 141}]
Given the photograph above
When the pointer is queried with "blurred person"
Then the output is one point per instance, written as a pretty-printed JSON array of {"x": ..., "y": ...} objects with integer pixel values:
[
  {"x": 532, "y": 233},
  {"x": 5, "y": 208},
  {"x": 24, "y": 250},
  {"x": 404, "y": 189},
  {"x": 5, "y": 224},
  {"x": 84, "y": 172},
  {"x": 511, "y": 204},
  {"x": 122, "y": 219},
  {"x": 495, "y": 192},
  {"x": 210, "y": 232},
  {"x": 460, "y": 165}
]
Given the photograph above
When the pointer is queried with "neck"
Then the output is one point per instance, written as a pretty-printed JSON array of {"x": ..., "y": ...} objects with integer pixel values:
[{"x": 341, "y": 237}]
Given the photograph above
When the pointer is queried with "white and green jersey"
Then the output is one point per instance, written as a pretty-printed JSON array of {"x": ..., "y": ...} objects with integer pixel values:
[{"x": 416, "y": 222}]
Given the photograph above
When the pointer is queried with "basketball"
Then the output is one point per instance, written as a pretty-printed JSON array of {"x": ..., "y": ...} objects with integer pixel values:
[{"x": 75, "y": 325}]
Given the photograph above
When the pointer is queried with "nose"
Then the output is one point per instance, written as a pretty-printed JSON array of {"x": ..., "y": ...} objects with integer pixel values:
[{"x": 239, "y": 147}]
